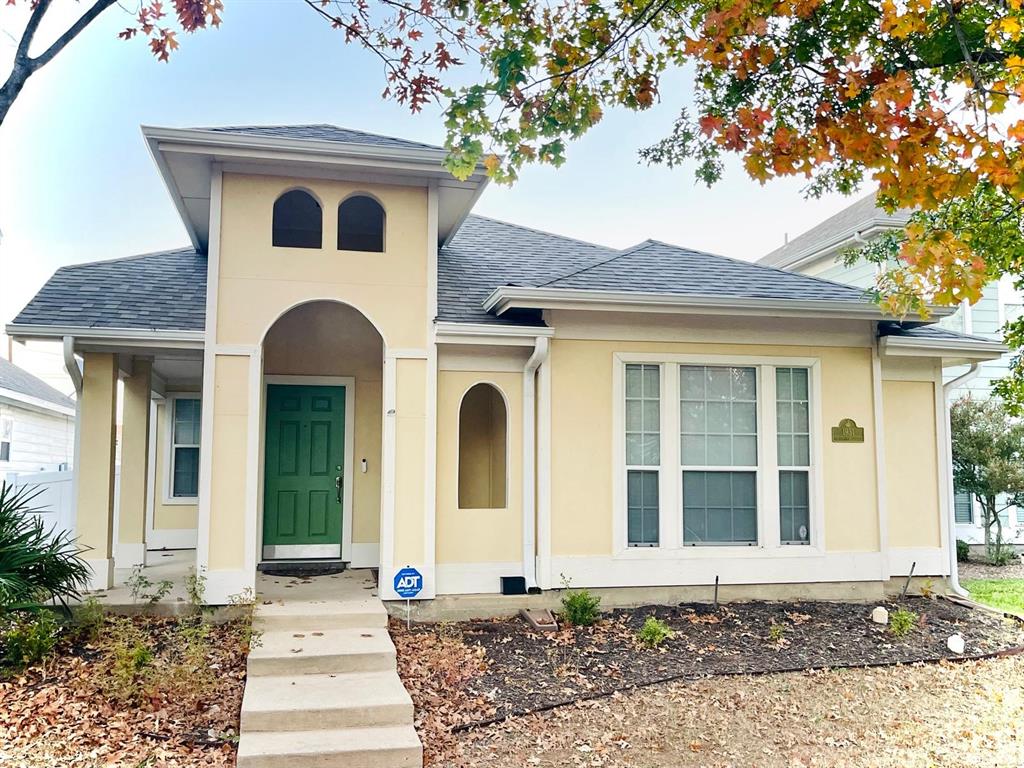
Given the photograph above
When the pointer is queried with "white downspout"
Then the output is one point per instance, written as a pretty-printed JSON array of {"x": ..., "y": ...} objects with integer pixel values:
[
  {"x": 954, "y": 576},
  {"x": 540, "y": 354},
  {"x": 71, "y": 365}
]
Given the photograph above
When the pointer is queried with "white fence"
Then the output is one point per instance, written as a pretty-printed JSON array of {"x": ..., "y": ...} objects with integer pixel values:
[{"x": 55, "y": 501}]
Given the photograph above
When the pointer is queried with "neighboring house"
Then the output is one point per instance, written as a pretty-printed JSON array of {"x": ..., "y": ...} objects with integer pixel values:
[
  {"x": 350, "y": 366},
  {"x": 820, "y": 252},
  {"x": 37, "y": 424}
]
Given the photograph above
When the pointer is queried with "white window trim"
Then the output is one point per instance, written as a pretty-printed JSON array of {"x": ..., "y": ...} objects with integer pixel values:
[
  {"x": 169, "y": 499},
  {"x": 670, "y": 485}
]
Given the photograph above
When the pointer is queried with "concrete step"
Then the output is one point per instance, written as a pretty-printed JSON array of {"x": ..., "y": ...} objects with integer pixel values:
[
  {"x": 386, "y": 747},
  {"x": 332, "y": 651},
  {"x": 323, "y": 702},
  {"x": 300, "y": 615}
]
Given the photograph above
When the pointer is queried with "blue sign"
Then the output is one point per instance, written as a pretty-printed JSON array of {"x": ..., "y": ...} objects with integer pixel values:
[{"x": 408, "y": 582}]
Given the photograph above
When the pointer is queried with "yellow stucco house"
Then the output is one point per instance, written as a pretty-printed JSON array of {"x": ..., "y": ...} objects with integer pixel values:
[{"x": 348, "y": 365}]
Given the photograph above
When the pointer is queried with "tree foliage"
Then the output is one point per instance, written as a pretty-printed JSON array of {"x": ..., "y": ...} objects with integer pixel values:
[{"x": 988, "y": 460}]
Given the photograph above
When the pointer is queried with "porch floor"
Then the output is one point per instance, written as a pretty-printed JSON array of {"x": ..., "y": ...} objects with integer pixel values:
[{"x": 172, "y": 566}]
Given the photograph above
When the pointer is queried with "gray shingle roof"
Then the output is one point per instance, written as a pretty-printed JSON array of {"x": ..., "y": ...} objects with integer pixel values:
[
  {"x": 21, "y": 381},
  {"x": 322, "y": 132},
  {"x": 857, "y": 217},
  {"x": 155, "y": 291},
  {"x": 656, "y": 267},
  {"x": 486, "y": 253},
  {"x": 936, "y": 332}
]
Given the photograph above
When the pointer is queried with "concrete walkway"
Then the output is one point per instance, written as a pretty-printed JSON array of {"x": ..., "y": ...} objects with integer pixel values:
[{"x": 322, "y": 687}]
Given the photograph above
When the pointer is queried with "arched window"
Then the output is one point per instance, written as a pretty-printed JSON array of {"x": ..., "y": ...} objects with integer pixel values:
[
  {"x": 298, "y": 220},
  {"x": 483, "y": 431},
  {"x": 360, "y": 225}
]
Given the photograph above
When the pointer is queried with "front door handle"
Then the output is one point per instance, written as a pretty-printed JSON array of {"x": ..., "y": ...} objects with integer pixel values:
[{"x": 339, "y": 483}]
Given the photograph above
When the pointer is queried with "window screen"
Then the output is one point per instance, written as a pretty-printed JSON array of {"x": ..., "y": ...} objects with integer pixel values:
[
  {"x": 792, "y": 413},
  {"x": 643, "y": 452},
  {"x": 185, "y": 432}
]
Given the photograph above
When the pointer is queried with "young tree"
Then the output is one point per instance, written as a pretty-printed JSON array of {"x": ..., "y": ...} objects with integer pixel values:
[
  {"x": 149, "y": 20},
  {"x": 988, "y": 461}
]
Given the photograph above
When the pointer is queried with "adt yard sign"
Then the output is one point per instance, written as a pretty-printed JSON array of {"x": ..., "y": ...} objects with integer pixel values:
[{"x": 408, "y": 582}]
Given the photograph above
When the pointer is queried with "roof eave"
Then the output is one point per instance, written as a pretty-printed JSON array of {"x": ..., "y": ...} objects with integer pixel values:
[
  {"x": 506, "y": 298},
  {"x": 128, "y": 337},
  {"x": 35, "y": 403},
  {"x": 813, "y": 253}
]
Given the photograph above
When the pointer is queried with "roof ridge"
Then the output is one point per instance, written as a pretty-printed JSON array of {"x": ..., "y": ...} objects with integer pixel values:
[
  {"x": 539, "y": 231},
  {"x": 618, "y": 255},
  {"x": 163, "y": 252}
]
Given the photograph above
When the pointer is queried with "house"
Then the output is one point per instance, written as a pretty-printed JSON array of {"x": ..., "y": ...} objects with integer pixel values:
[
  {"x": 820, "y": 252},
  {"x": 352, "y": 366},
  {"x": 37, "y": 424}
]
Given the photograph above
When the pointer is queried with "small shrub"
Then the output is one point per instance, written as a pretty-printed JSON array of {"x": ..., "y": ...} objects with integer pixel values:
[
  {"x": 129, "y": 661},
  {"x": 29, "y": 638},
  {"x": 963, "y": 551},
  {"x": 928, "y": 588},
  {"x": 89, "y": 618},
  {"x": 901, "y": 622},
  {"x": 654, "y": 632},
  {"x": 579, "y": 607},
  {"x": 195, "y": 588},
  {"x": 776, "y": 633},
  {"x": 139, "y": 586},
  {"x": 1003, "y": 556}
]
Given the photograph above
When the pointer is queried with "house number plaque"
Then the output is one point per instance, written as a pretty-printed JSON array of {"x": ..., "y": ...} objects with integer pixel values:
[{"x": 847, "y": 432}]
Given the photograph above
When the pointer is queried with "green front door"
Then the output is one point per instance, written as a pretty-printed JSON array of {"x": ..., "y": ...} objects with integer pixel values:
[{"x": 303, "y": 472}]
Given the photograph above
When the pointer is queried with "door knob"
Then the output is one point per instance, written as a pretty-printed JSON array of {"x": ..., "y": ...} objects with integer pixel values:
[{"x": 339, "y": 483}]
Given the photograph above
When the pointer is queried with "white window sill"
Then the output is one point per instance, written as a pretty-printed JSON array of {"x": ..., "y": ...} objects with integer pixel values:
[{"x": 180, "y": 501}]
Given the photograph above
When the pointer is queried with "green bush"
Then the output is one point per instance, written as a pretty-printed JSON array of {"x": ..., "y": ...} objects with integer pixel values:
[
  {"x": 963, "y": 551},
  {"x": 654, "y": 632},
  {"x": 901, "y": 622},
  {"x": 580, "y": 608},
  {"x": 29, "y": 638},
  {"x": 88, "y": 621},
  {"x": 35, "y": 566},
  {"x": 777, "y": 633},
  {"x": 1003, "y": 556}
]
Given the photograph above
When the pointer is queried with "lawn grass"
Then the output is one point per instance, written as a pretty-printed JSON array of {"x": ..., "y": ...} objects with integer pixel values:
[{"x": 1004, "y": 594}]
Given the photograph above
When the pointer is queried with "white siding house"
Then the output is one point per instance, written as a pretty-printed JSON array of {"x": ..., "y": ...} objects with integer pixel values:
[
  {"x": 37, "y": 424},
  {"x": 820, "y": 252}
]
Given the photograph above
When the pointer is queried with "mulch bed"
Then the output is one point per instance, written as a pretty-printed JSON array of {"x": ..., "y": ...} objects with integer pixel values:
[
  {"x": 524, "y": 671},
  {"x": 65, "y": 712}
]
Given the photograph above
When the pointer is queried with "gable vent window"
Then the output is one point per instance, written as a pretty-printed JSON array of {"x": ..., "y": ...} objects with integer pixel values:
[
  {"x": 483, "y": 431},
  {"x": 361, "y": 225},
  {"x": 298, "y": 220}
]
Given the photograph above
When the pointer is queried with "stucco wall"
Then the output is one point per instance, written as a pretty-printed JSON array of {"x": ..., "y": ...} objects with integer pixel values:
[
  {"x": 477, "y": 535},
  {"x": 582, "y": 438}
]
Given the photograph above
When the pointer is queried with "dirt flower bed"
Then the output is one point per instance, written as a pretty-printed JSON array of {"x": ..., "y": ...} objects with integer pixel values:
[
  {"x": 479, "y": 671},
  {"x": 138, "y": 691}
]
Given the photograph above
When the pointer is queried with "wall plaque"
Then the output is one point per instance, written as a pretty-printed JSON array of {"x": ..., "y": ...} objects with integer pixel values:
[{"x": 847, "y": 432}]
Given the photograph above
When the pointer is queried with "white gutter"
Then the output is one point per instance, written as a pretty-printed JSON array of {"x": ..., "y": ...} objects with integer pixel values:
[
  {"x": 516, "y": 297},
  {"x": 124, "y": 336},
  {"x": 540, "y": 354},
  {"x": 954, "y": 576}
]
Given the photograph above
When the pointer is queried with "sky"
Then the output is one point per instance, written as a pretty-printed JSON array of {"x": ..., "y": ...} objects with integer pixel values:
[{"x": 77, "y": 183}]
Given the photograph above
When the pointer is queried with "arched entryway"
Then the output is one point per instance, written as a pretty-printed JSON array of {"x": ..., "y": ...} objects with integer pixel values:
[{"x": 321, "y": 436}]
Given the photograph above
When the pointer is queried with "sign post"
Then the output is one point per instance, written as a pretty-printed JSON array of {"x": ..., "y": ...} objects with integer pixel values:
[{"x": 408, "y": 584}]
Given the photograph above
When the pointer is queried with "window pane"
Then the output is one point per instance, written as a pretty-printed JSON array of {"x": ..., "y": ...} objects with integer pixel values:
[
  {"x": 718, "y": 416},
  {"x": 794, "y": 507},
  {"x": 187, "y": 418},
  {"x": 643, "y": 415},
  {"x": 642, "y": 504},
  {"x": 186, "y": 472},
  {"x": 963, "y": 505},
  {"x": 719, "y": 507},
  {"x": 793, "y": 417}
]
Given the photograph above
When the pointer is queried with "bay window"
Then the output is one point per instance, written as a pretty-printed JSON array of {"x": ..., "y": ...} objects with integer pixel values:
[{"x": 718, "y": 452}]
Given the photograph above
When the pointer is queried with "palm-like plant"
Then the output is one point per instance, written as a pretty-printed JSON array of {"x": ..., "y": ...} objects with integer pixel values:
[{"x": 36, "y": 565}]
